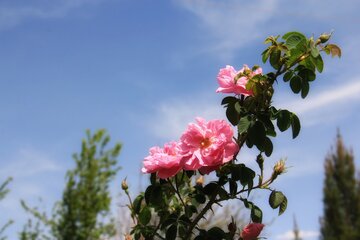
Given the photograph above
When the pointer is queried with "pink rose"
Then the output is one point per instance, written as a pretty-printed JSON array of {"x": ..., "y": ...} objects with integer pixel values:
[
  {"x": 252, "y": 231},
  {"x": 228, "y": 84},
  {"x": 207, "y": 145},
  {"x": 165, "y": 161}
]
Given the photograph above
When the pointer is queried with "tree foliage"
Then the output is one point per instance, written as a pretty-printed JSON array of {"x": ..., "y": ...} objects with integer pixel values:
[
  {"x": 85, "y": 204},
  {"x": 340, "y": 196},
  {"x": 3, "y": 192}
]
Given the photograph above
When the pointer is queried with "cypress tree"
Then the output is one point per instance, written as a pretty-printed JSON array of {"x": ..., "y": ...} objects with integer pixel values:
[{"x": 340, "y": 196}]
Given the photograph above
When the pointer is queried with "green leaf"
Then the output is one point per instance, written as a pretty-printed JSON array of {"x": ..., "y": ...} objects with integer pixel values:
[
  {"x": 283, "y": 206},
  {"x": 295, "y": 125},
  {"x": 244, "y": 124},
  {"x": 145, "y": 216},
  {"x": 232, "y": 115},
  {"x": 171, "y": 232},
  {"x": 307, "y": 74},
  {"x": 305, "y": 89},
  {"x": 319, "y": 63},
  {"x": 200, "y": 198},
  {"x": 275, "y": 58},
  {"x": 148, "y": 193},
  {"x": 287, "y": 76},
  {"x": 256, "y": 214},
  {"x": 295, "y": 84},
  {"x": 283, "y": 120},
  {"x": 216, "y": 233},
  {"x": 210, "y": 188},
  {"x": 233, "y": 187},
  {"x": 265, "y": 55},
  {"x": 315, "y": 51},
  {"x": 292, "y": 39},
  {"x": 257, "y": 133},
  {"x": 268, "y": 147},
  {"x": 137, "y": 203},
  {"x": 276, "y": 198},
  {"x": 228, "y": 100}
]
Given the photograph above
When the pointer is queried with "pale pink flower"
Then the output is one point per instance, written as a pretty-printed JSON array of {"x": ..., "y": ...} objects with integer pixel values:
[
  {"x": 228, "y": 83},
  {"x": 252, "y": 231},
  {"x": 165, "y": 161},
  {"x": 207, "y": 145}
]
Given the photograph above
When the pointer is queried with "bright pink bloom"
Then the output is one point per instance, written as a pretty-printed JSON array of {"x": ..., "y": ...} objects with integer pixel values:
[
  {"x": 207, "y": 145},
  {"x": 228, "y": 84},
  {"x": 252, "y": 231},
  {"x": 165, "y": 161}
]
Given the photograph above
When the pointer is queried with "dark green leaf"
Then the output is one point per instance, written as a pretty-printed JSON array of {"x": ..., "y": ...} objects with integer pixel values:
[
  {"x": 275, "y": 58},
  {"x": 265, "y": 55},
  {"x": 148, "y": 193},
  {"x": 137, "y": 203},
  {"x": 233, "y": 187},
  {"x": 283, "y": 120},
  {"x": 275, "y": 199},
  {"x": 305, "y": 89},
  {"x": 307, "y": 74},
  {"x": 216, "y": 233},
  {"x": 295, "y": 84},
  {"x": 256, "y": 214},
  {"x": 257, "y": 133},
  {"x": 283, "y": 206},
  {"x": 268, "y": 146},
  {"x": 145, "y": 216},
  {"x": 295, "y": 125},
  {"x": 232, "y": 115},
  {"x": 287, "y": 76},
  {"x": 171, "y": 232},
  {"x": 200, "y": 198},
  {"x": 210, "y": 188},
  {"x": 228, "y": 100}
]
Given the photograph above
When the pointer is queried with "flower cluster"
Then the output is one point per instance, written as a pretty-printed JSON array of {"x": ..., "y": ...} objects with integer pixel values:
[
  {"x": 232, "y": 81},
  {"x": 204, "y": 146}
]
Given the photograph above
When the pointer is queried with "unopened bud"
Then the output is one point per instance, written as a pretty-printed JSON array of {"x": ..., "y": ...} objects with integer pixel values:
[
  {"x": 279, "y": 168},
  {"x": 124, "y": 185},
  {"x": 324, "y": 37},
  {"x": 200, "y": 181}
]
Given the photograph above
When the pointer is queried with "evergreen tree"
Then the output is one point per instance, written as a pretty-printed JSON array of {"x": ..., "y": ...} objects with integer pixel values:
[
  {"x": 340, "y": 195},
  {"x": 83, "y": 212},
  {"x": 296, "y": 230}
]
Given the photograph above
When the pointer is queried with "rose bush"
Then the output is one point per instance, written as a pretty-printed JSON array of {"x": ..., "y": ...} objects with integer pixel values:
[{"x": 174, "y": 202}]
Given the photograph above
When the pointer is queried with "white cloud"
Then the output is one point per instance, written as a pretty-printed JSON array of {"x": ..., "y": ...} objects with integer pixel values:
[
  {"x": 305, "y": 235},
  {"x": 29, "y": 162},
  {"x": 172, "y": 117},
  {"x": 231, "y": 23},
  {"x": 317, "y": 108},
  {"x": 11, "y": 16}
]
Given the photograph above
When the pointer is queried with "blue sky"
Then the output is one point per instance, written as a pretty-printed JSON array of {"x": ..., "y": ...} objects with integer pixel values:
[{"x": 143, "y": 69}]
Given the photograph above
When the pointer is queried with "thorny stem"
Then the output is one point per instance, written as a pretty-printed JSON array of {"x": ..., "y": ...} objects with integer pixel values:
[
  {"x": 176, "y": 189},
  {"x": 211, "y": 201}
]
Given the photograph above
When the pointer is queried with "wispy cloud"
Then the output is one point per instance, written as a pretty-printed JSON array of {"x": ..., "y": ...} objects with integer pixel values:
[
  {"x": 341, "y": 99},
  {"x": 231, "y": 23},
  {"x": 29, "y": 162},
  {"x": 172, "y": 117},
  {"x": 306, "y": 235},
  {"x": 11, "y": 16}
]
